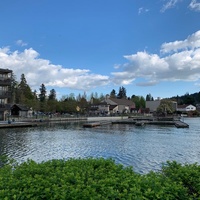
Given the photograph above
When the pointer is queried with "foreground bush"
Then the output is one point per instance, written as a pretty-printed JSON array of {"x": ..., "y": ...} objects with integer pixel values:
[{"x": 97, "y": 179}]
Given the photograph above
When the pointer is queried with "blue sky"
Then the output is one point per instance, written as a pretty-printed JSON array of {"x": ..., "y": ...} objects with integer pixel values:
[{"x": 98, "y": 45}]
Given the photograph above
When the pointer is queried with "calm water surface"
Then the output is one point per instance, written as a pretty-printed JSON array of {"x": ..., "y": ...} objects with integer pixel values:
[{"x": 144, "y": 148}]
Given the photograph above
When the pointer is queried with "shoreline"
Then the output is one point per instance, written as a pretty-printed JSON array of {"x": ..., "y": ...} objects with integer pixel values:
[{"x": 136, "y": 120}]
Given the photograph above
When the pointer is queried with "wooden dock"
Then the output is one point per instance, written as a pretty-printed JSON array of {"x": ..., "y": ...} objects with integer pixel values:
[
  {"x": 91, "y": 124},
  {"x": 18, "y": 125},
  {"x": 176, "y": 123}
]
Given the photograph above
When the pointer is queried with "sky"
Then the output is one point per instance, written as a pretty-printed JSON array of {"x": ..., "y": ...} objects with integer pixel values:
[{"x": 87, "y": 46}]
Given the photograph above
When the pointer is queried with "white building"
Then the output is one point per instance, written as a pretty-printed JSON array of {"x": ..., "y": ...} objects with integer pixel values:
[{"x": 186, "y": 108}]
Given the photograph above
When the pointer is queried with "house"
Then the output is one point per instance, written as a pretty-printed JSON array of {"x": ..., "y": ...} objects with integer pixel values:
[
  {"x": 153, "y": 105},
  {"x": 18, "y": 110},
  {"x": 5, "y": 92},
  {"x": 113, "y": 105},
  {"x": 186, "y": 108}
]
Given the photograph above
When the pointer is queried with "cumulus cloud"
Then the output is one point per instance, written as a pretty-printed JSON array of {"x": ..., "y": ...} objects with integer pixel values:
[
  {"x": 179, "y": 60},
  {"x": 38, "y": 71},
  {"x": 194, "y": 5},
  {"x": 192, "y": 42}
]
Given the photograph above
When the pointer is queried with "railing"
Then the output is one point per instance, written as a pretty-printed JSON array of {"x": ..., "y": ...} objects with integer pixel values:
[
  {"x": 5, "y": 94},
  {"x": 6, "y": 81},
  {"x": 3, "y": 107}
]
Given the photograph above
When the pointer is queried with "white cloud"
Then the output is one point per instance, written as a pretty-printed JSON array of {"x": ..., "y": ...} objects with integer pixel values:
[
  {"x": 194, "y": 5},
  {"x": 180, "y": 61},
  {"x": 169, "y": 4},
  {"x": 21, "y": 43},
  {"x": 38, "y": 71},
  {"x": 191, "y": 42},
  {"x": 142, "y": 10}
]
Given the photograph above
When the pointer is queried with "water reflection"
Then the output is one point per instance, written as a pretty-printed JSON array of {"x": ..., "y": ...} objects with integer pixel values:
[{"x": 144, "y": 148}]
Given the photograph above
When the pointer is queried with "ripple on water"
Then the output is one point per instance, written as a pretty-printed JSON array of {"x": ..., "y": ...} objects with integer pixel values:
[{"x": 143, "y": 148}]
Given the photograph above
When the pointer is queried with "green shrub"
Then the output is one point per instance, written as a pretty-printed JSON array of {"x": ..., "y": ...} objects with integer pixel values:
[{"x": 96, "y": 179}]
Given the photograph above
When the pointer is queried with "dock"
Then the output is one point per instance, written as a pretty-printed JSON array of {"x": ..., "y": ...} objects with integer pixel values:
[
  {"x": 91, "y": 124},
  {"x": 18, "y": 125},
  {"x": 176, "y": 123},
  {"x": 180, "y": 124},
  {"x": 94, "y": 124}
]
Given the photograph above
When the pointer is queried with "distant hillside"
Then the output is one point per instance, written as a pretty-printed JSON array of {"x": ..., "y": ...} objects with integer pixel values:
[{"x": 187, "y": 99}]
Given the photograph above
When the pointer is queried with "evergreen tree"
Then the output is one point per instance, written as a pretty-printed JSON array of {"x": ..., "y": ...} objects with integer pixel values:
[
  {"x": 122, "y": 93},
  {"x": 42, "y": 98},
  {"x": 149, "y": 97},
  {"x": 42, "y": 95},
  {"x": 52, "y": 95},
  {"x": 24, "y": 94},
  {"x": 113, "y": 94}
]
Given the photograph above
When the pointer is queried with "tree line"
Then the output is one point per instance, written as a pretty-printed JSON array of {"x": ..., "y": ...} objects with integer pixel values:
[{"x": 42, "y": 101}]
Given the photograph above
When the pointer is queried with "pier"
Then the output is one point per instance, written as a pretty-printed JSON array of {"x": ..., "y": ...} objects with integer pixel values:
[
  {"x": 140, "y": 122},
  {"x": 18, "y": 124}
]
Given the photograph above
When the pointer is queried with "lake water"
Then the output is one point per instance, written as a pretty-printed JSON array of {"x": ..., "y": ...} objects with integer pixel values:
[{"x": 144, "y": 148}]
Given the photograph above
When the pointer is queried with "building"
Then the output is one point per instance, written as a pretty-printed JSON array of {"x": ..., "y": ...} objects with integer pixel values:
[
  {"x": 5, "y": 92},
  {"x": 153, "y": 105},
  {"x": 110, "y": 106},
  {"x": 18, "y": 110},
  {"x": 186, "y": 108}
]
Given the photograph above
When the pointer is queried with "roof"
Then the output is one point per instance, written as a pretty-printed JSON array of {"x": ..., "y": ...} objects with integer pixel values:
[
  {"x": 21, "y": 107},
  {"x": 5, "y": 71},
  {"x": 184, "y": 105},
  {"x": 122, "y": 101}
]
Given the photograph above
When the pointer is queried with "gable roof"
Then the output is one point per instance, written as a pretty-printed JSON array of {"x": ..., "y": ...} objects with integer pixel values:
[
  {"x": 123, "y": 102},
  {"x": 20, "y": 107},
  {"x": 184, "y": 106}
]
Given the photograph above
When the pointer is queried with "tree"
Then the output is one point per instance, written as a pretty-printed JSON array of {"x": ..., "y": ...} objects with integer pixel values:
[
  {"x": 188, "y": 99},
  {"x": 142, "y": 102},
  {"x": 52, "y": 95},
  {"x": 113, "y": 94},
  {"x": 122, "y": 93},
  {"x": 165, "y": 106},
  {"x": 149, "y": 97},
  {"x": 42, "y": 98},
  {"x": 24, "y": 94},
  {"x": 42, "y": 95}
]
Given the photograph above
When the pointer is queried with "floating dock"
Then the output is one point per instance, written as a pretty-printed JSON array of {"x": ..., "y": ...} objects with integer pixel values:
[
  {"x": 180, "y": 124},
  {"x": 91, "y": 124},
  {"x": 176, "y": 123},
  {"x": 18, "y": 125},
  {"x": 94, "y": 124}
]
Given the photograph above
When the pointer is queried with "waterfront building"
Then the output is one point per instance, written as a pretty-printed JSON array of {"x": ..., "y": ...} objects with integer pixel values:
[
  {"x": 186, "y": 108},
  {"x": 5, "y": 93}
]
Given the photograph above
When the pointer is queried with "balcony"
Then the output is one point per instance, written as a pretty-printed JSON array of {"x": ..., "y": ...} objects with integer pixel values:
[
  {"x": 5, "y": 82},
  {"x": 4, "y": 107},
  {"x": 5, "y": 94}
]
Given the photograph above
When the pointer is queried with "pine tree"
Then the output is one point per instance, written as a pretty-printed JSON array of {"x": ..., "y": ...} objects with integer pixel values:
[
  {"x": 24, "y": 94},
  {"x": 122, "y": 93},
  {"x": 113, "y": 94},
  {"x": 42, "y": 95},
  {"x": 52, "y": 95}
]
